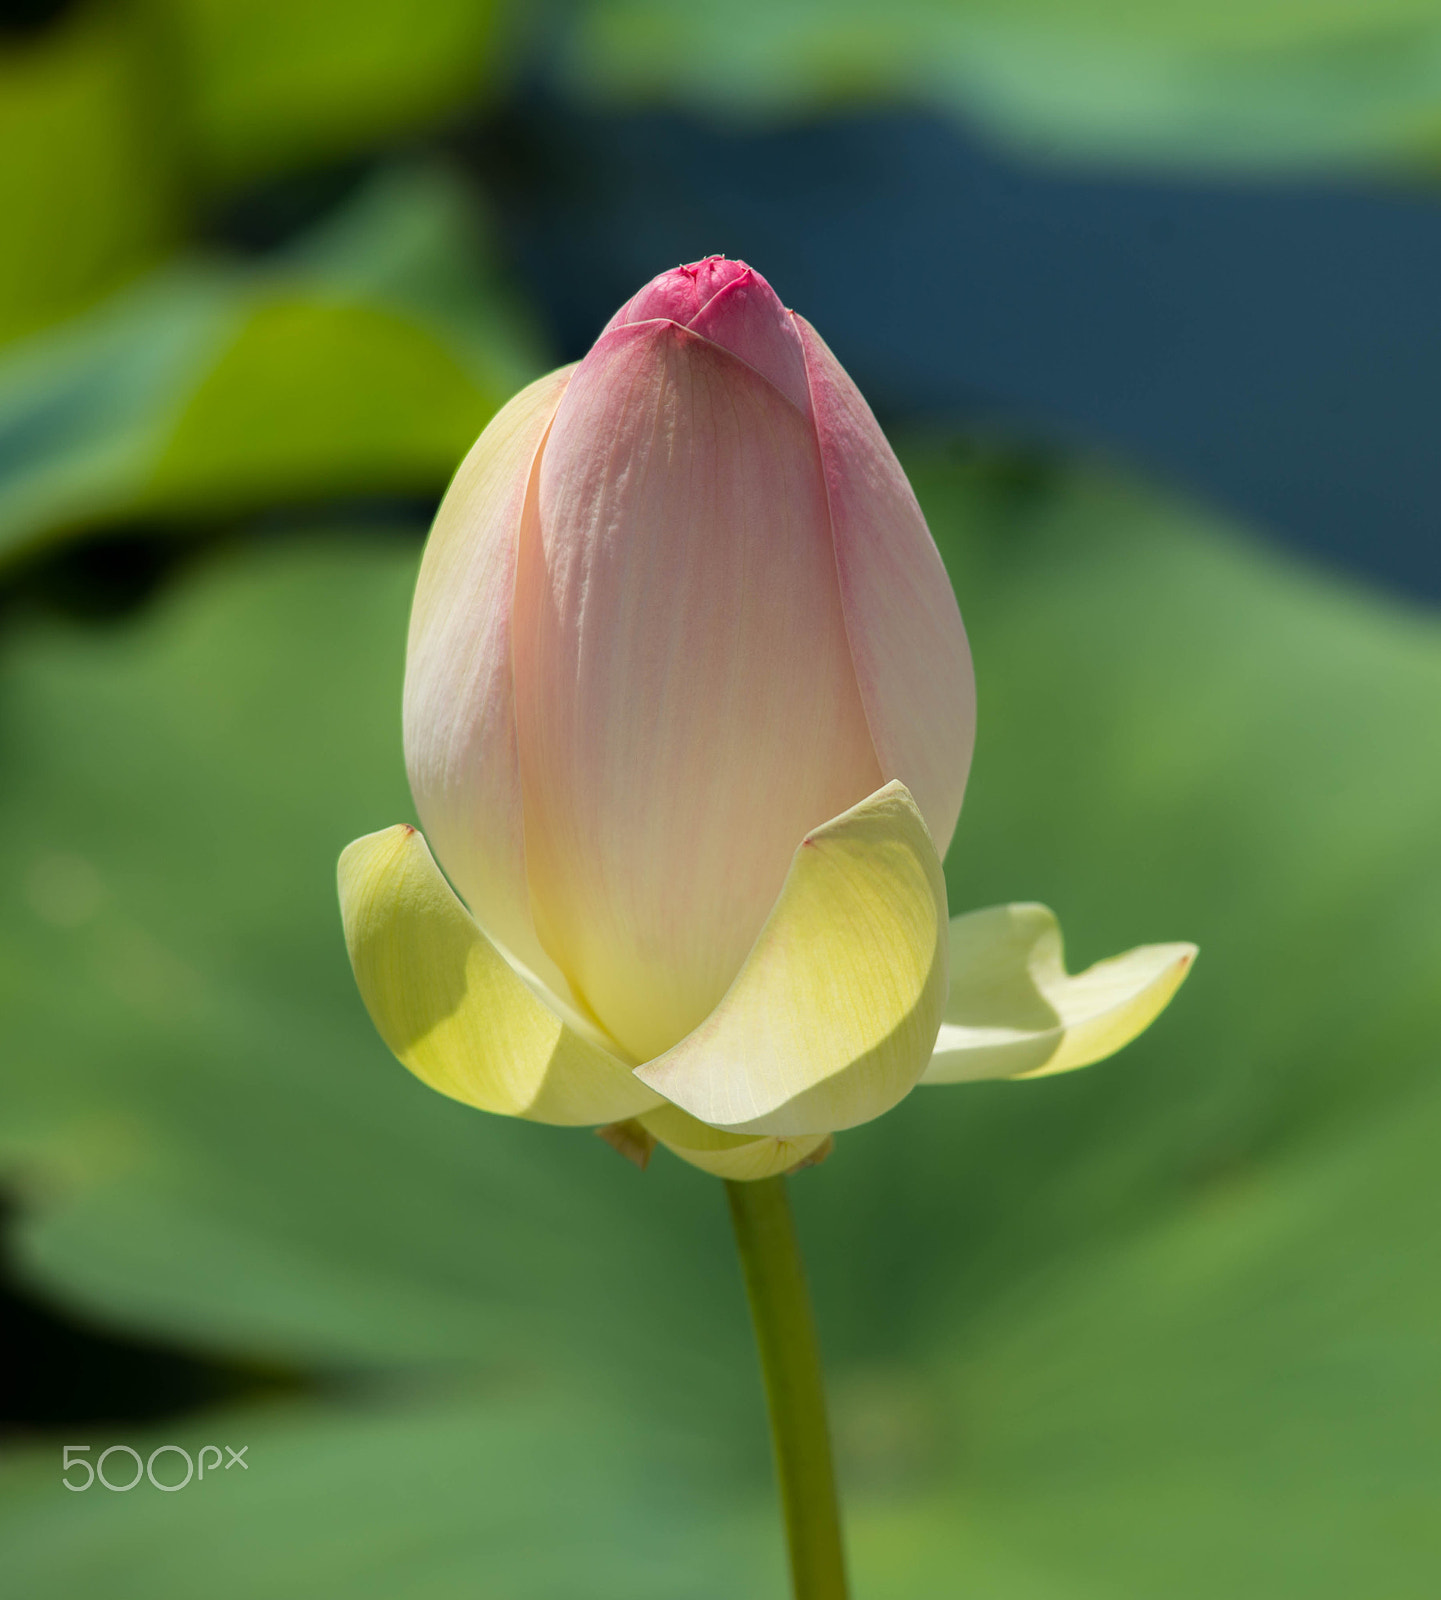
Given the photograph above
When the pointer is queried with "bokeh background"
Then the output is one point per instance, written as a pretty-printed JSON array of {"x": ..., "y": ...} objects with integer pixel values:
[{"x": 1146, "y": 296}]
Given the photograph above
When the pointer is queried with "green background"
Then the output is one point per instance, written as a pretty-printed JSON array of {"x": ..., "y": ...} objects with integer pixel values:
[{"x": 1163, "y": 1327}]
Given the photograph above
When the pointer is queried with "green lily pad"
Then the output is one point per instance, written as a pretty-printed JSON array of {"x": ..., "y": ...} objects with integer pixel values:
[
  {"x": 1271, "y": 84},
  {"x": 272, "y": 84},
  {"x": 1163, "y": 1326},
  {"x": 365, "y": 360},
  {"x": 87, "y": 186},
  {"x": 514, "y": 1497},
  {"x": 115, "y": 120}
]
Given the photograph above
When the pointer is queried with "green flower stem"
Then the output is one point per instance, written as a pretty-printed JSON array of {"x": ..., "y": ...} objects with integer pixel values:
[{"x": 795, "y": 1390}]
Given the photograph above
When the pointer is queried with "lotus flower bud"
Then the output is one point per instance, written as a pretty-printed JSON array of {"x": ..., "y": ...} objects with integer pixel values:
[
  {"x": 720, "y": 621},
  {"x": 689, "y": 712}
]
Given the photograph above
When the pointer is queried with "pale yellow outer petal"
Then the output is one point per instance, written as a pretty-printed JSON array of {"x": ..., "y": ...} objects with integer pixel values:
[
  {"x": 1014, "y": 1013},
  {"x": 453, "y": 1009},
  {"x": 459, "y": 710},
  {"x": 738, "y": 1156},
  {"x": 833, "y": 1015}
]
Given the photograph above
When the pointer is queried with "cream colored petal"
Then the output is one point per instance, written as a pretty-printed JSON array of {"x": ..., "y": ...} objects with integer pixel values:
[
  {"x": 832, "y": 1017},
  {"x": 738, "y": 1156},
  {"x": 460, "y": 740},
  {"x": 452, "y": 1009},
  {"x": 1014, "y": 1012}
]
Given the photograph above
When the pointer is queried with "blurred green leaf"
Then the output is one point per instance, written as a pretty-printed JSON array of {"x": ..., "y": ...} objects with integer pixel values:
[
  {"x": 1243, "y": 83},
  {"x": 86, "y": 185},
  {"x": 365, "y": 360},
  {"x": 273, "y": 83},
  {"x": 1165, "y": 1326},
  {"x": 513, "y": 1498},
  {"x": 117, "y": 119}
]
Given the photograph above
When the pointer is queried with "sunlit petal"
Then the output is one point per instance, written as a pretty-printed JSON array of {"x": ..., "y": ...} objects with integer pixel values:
[
  {"x": 1014, "y": 1013},
  {"x": 450, "y": 1006},
  {"x": 832, "y": 1018},
  {"x": 459, "y": 694}
]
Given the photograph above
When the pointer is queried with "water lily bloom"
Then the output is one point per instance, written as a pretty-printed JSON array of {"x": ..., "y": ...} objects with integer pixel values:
[{"x": 688, "y": 718}]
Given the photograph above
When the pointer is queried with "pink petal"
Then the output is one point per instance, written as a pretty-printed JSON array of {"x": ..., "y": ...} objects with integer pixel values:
[
  {"x": 686, "y": 705},
  {"x": 912, "y": 661},
  {"x": 680, "y": 293},
  {"x": 730, "y": 304}
]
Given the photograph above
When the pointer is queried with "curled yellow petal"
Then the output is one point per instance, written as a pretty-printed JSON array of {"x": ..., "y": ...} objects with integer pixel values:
[
  {"x": 743, "y": 1158},
  {"x": 453, "y": 1009},
  {"x": 833, "y": 1014},
  {"x": 1014, "y": 1012}
]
